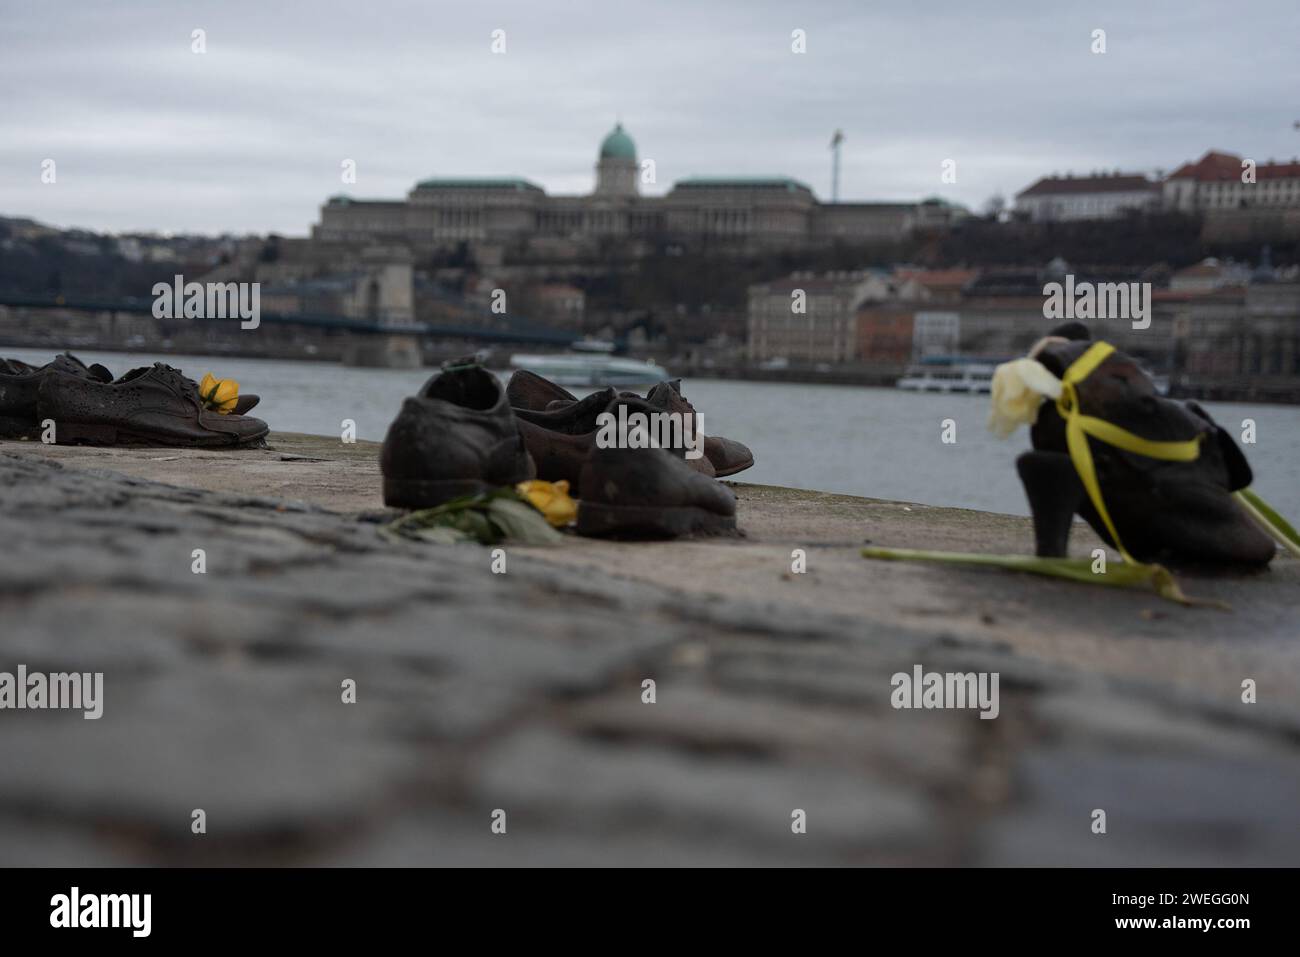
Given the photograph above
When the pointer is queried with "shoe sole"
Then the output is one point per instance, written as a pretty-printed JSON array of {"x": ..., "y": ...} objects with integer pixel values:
[
  {"x": 426, "y": 493},
  {"x": 84, "y": 433},
  {"x": 733, "y": 470},
  {"x": 638, "y": 521},
  {"x": 11, "y": 428}
]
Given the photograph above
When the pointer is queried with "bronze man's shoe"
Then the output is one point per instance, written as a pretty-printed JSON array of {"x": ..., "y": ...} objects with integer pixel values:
[
  {"x": 20, "y": 385},
  {"x": 154, "y": 405},
  {"x": 727, "y": 455},
  {"x": 245, "y": 403},
  {"x": 457, "y": 437},
  {"x": 649, "y": 493},
  {"x": 527, "y": 390},
  {"x": 560, "y": 438}
]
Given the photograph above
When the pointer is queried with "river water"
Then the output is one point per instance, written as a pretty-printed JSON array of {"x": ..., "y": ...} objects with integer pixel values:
[{"x": 861, "y": 441}]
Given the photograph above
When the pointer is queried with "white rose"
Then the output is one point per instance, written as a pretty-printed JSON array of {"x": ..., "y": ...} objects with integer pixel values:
[{"x": 1019, "y": 388}]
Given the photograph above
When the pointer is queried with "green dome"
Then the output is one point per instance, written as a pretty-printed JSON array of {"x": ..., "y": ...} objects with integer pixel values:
[{"x": 618, "y": 145}]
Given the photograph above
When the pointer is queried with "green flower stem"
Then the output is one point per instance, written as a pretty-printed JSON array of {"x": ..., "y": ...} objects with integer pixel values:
[
  {"x": 1270, "y": 520},
  {"x": 1120, "y": 574}
]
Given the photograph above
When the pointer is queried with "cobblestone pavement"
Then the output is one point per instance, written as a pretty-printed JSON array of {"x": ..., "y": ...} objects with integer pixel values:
[{"x": 523, "y": 692}]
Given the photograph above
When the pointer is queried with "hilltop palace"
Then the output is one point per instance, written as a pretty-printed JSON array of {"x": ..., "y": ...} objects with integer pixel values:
[{"x": 746, "y": 212}]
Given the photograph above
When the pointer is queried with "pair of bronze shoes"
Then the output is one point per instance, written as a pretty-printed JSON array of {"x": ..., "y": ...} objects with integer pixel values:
[
  {"x": 464, "y": 433},
  {"x": 155, "y": 405},
  {"x": 546, "y": 410}
]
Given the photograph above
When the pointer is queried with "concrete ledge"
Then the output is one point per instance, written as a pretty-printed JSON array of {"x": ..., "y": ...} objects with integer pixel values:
[{"x": 523, "y": 691}]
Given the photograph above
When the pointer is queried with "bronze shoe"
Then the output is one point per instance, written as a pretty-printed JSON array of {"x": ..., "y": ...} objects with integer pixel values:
[
  {"x": 727, "y": 455},
  {"x": 1181, "y": 512},
  {"x": 154, "y": 405},
  {"x": 457, "y": 437},
  {"x": 20, "y": 385},
  {"x": 649, "y": 492},
  {"x": 560, "y": 440},
  {"x": 529, "y": 391}
]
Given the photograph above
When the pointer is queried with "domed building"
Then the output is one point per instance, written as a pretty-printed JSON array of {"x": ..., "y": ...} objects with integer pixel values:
[
  {"x": 616, "y": 168},
  {"x": 745, "y": 212},
  {"x": 618, "y": 145}
]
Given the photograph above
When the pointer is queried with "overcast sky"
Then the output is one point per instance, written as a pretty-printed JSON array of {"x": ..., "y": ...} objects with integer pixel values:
[{"x": 249, "y": 136}]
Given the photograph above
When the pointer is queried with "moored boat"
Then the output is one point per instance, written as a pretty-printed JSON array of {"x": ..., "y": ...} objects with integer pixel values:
[
  {"x": 591, "y": 369},
  {"x": 969, "y": 377}
]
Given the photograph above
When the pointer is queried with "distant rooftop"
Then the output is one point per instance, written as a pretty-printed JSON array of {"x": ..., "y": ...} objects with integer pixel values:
[
  {"x": 741, "y": 182},
  {"x": 343, "y": 199},
  {"x": 1073, "y": 185},
  {"x": 517, "y": 183},
  {"x": 811, "y": 282},
  {"x": 875, "y": 206},
  {"x": 939, "y": 278},
  {"x": 1215, "y": 166}
]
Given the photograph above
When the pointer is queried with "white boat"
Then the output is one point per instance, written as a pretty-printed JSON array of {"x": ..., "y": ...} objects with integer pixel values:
[
  {"x": 971, "y": 377},
  {"x": 591, "y": 369}
]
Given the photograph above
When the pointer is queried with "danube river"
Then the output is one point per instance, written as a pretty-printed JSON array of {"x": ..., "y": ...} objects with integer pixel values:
[{"x": 861, "y": 441}]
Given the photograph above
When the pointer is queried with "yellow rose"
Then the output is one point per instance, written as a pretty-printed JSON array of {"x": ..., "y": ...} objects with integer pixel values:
[
  {"x": 220, "y": 395},
  {"x": 1019, "y": 388},
  {"x": 551, "y": 499}
]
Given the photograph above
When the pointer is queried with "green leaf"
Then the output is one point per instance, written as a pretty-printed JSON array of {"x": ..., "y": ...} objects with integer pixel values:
[
  {"x": 486, "y": 518},
  {"x": 443, "y": 535},
  {"x": 474, "y": 524},
  {"x": 521, "y": 522},
  {"x": 458, "y": 520}
]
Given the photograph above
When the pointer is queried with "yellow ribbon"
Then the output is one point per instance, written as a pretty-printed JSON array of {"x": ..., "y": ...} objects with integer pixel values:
[
  {"x": 1079, "y": 426},
  {"x": 1077, "y": 429}
]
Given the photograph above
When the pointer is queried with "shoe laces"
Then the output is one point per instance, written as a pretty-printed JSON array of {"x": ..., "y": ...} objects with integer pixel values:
[
  {"x": 177, "y": 377},
  {"x": 675, "y": 396}
]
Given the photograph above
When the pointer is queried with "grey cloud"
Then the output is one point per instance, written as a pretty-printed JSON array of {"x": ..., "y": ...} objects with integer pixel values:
[{"x": 249, "y": 137}]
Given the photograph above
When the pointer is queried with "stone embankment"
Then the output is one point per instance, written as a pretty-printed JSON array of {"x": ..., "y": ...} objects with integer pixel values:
[{"x": 525, "y": 692}]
